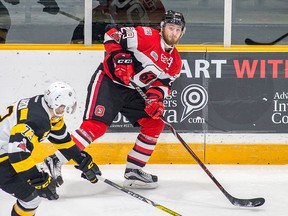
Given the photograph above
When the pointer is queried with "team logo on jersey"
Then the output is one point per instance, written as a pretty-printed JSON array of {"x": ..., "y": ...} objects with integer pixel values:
[
  {"x": 22, "y": 145},
  {"x": 28, "y": 132},
  {"x": 194, "y": 97},
  {"x": 116, "y": 36},
  {"x": 167, "y": 60},
  {"x": 99, "y": 110}
]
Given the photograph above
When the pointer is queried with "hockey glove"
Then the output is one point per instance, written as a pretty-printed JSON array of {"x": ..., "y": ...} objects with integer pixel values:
[
  {"x": 155, "y": 108},
  {"x": 89, "y": 168},
  {"x": 45, "y": 186},
  {"x": 123, "y": 64}
]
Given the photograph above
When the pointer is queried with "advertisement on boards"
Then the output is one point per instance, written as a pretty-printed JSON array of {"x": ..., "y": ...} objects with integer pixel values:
[{"x": 220, "y": 92}]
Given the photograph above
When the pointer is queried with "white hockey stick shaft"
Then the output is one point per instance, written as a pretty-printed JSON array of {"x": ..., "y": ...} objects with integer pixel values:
[{"x": 138, "y": 196}]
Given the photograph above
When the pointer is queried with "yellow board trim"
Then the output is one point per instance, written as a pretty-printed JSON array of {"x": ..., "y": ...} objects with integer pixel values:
[
  {"x": 50, "y": 47},
  {"x": 180, "y": 47},
  {"x": 247, "y": 154},
  {"x": 175, "y": 153}
]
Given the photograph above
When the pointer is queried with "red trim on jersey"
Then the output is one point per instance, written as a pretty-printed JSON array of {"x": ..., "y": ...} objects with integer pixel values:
[
  {"x": 95, "y": 94},
  {"x": 112, "y": 47}
]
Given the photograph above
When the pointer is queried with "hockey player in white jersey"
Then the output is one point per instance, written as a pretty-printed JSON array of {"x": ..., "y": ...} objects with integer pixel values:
[{"x": 150, "y": 58}]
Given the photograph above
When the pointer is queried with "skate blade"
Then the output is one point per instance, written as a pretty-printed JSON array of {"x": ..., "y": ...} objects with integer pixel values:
[{"x": 136, "y": 184}]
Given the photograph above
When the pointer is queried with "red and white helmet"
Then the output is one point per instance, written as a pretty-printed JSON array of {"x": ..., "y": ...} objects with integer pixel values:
[{"x": 60, "y": 93}]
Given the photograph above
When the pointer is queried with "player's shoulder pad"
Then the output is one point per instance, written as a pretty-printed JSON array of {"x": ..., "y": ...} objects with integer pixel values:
[
  {"x": 147, "y": 31},
  {"x": 38, "y": 117}
]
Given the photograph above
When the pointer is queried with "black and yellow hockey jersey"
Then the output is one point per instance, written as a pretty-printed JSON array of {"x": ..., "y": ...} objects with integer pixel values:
[{"x": 26, "y": 123}]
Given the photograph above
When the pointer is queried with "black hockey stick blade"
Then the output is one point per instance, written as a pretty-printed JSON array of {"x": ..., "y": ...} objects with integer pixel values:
[
  {"x": 247, "y": 202},
  {"x": 249, "y": 41},
  {"x": 138, "y": 196},
  {"x": 254, "y": 202},
  {"x": 235, "y": 201}
]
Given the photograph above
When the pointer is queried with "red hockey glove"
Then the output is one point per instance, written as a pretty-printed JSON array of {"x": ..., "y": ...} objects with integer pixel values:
[
  {"x": 156, "y": 108},
  {"x": 123, "y": 64}
]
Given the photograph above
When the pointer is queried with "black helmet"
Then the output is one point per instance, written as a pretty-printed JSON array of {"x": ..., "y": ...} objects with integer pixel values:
[{"x": 173, "y": 17}]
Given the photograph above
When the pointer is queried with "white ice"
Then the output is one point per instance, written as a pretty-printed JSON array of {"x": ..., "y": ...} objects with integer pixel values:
[{"x": 185, "y": 189}]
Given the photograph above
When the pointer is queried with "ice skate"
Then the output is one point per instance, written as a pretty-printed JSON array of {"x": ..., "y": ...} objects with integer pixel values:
[
  {"x": 54, "y": 166},
  {"x": 137, "y": 178}
]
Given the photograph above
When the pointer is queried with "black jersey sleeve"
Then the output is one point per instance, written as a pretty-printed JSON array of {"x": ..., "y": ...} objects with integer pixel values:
[
  {"x": 32, "y": 125},
  {"x": 61, "y": 139}
]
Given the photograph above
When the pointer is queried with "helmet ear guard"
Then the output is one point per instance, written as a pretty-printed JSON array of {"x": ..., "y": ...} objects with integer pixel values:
[
  {"x": 174, "y": 17},
  {"x": 58, "y": 94}
]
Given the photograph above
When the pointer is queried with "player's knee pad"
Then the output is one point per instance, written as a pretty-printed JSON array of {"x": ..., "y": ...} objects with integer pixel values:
[
  {"x": 94, "y": 128},
  {"x": 151, "y": 127},
  {"x": 88, "y": 132}
]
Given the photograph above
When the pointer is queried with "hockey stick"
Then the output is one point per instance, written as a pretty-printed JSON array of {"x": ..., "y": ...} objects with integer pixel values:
[
  {"x": 255, "y": 202},
  {"x": 138, "y": 196},
  {"x": 70, "y": 16},
  {"x": 249, "y": 41}
]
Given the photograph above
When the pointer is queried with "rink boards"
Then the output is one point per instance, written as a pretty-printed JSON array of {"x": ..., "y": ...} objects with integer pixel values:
[
  {"x": 27, "y": 69},
  {"x": 216, "y": 149}
]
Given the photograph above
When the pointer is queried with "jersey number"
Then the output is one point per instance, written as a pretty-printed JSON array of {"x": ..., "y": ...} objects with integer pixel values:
[
  {"x": 147, "y": 77},
  {"x": 10, "y": 111}
]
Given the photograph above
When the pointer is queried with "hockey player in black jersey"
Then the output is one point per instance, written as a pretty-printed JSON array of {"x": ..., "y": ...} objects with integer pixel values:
[{"x": 26, "y": 123}]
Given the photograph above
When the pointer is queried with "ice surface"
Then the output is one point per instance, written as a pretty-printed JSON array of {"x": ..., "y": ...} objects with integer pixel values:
[{"x": 185, "y": 189}]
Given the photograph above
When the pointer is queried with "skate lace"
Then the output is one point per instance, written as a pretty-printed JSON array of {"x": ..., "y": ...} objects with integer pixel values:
[
  {"x": 57, "y": 164},
  {"x": 144, "y": 173}
]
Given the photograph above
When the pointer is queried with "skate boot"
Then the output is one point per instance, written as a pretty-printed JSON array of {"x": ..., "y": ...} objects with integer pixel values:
[
  {"x": 54, "y": 165},
  {"x": 137, "y": 178}
]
